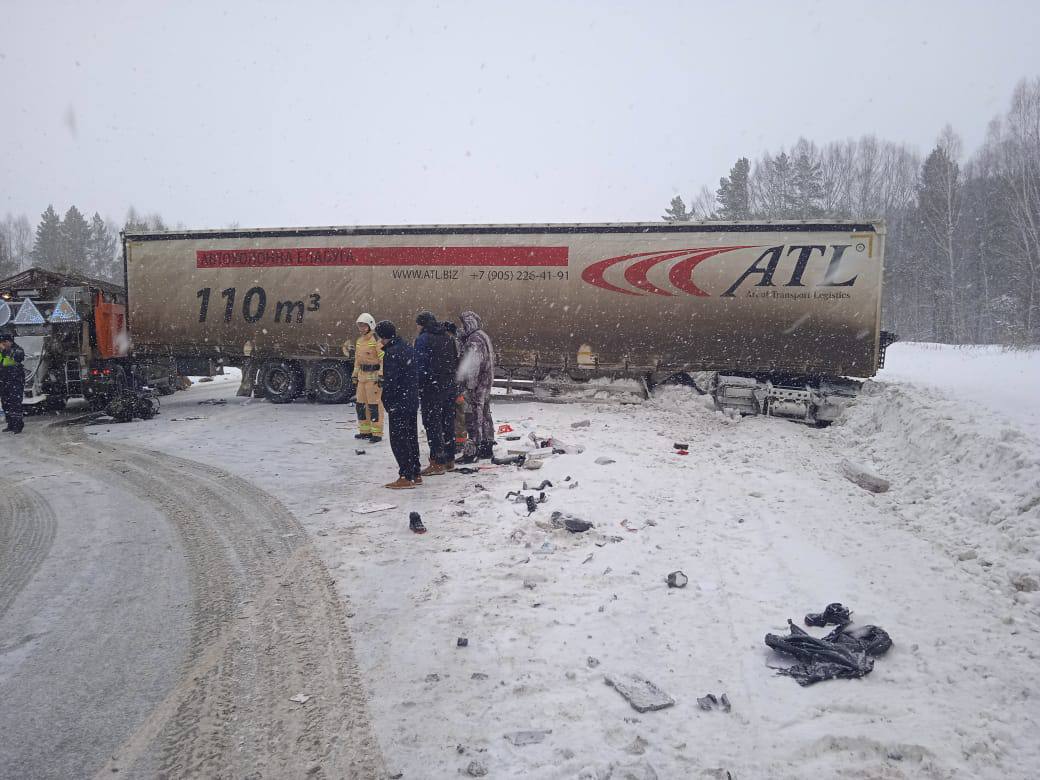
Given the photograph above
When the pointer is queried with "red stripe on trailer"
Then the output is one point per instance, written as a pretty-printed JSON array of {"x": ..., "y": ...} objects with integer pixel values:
[{"x": 553, "y": 256}]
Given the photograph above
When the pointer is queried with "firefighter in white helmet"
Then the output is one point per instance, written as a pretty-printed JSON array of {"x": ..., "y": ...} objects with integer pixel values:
[{"x": 368, "y": 374}]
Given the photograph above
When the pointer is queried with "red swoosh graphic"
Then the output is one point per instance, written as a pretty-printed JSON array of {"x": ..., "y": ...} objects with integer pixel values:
[
  {"x": 681, "y": 274},
  {"x": 635, "y": 274},
  {"x": 593, "y": 274}
]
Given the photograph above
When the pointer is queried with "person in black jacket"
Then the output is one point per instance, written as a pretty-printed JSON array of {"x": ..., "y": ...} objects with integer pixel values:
[
  {"x": 401, "y": 403},
  {"x": 12, "y": 382},
  {"x": 438, "y": 357}
]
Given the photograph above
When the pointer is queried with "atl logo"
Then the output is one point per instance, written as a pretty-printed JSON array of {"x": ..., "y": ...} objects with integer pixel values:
[
  {"x": 680, "y": 276},
  {"x": 760, "y": 273}
]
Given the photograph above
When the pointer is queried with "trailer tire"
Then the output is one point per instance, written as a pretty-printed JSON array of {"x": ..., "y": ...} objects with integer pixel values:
[
  {"x": 332, "y": 383},
  {"x": 282, "y": 381}
]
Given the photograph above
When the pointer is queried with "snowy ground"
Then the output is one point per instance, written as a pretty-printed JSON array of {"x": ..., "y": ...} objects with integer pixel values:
[{"x": 759, "y": 517}]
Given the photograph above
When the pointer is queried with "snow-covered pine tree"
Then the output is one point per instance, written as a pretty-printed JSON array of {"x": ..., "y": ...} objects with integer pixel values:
[
  {"x": 101, "y": 251},
  {"x": 677, "y": 211},
  {"x": 75, "y": 232},
  {"x": 49, "y": 245},
  {"x": 734, "y": 193}
]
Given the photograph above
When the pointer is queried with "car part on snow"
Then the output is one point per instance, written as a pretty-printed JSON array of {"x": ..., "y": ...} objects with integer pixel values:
[
  {"x": 532, "y": 464},
  {"x": 531, "y": 504},
  {"x": 603, "y": 460},
  {"x": 515, "y": 460},
  {"x": 678, "y": 446},
  {"x": 545, "y": 483},
  {"x": 581, "y": 424},
  {"x": 642, "y": 694},
  {"x": 132, "y": 403},
  {"x": 465, "y": 470},
  {"x": 462, "y": 642},
  {"x": 505, "y": 428},
  {"x": 359, "y": 452},
  {"x": 476, "y": 769},
  {"x": 707, "y": 702},
  {"x": 807, "y": 399},
  {"x": 576, "y": 525},
  {"x": 833, "y": 615},
  {"x": 677, "y": 580},
  {"x": 415, "y": 523},
  {"x": 844, "y": 653},
  {"x": 864, "y": 477}
]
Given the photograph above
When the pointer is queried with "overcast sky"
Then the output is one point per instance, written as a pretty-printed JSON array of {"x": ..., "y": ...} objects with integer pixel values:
[{"x": 309, "y": 113}]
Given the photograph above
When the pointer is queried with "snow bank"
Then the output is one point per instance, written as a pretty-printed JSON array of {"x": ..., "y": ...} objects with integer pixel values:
[
  {"x": 991, "y": 379},
  {"x": 967, "y": 483}
]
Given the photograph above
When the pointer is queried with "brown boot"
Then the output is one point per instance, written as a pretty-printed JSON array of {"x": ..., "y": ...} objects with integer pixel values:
[
  {"x": 400, "y": 484},
  {"x": 433, "y": 470},
  {"x": 417, "y": 481}
]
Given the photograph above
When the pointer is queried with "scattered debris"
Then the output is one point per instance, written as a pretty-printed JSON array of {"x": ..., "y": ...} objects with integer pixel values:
[
  {"x": 359, "y": 452},
  {"x": 603, "y": 460},
  {"x": 834, "y": 614},
  {"x": 545, "y": 483},
  {"x": 465, "y": 470},
  {"x": 515, "y": 460},
  {"x": 567, "y": 478},
  {"x": 531, "y": 737},
  {"x": 532, "y": 504},
  {"x": 205, "y": 379},
  {"x": 512, "y": 438},
  {"x": 505, "y": 428},
  {"x": 864, "y": 477},
  {"x": 592, "y": 662},
  {"x": 478, "y": 676},
  {"x": 415, "y": 523},
  {"x": 462, "y": 642},
  {"x": 587, "y": 558},
  {"x": 532, "y": 464},
  {"x": 677, "y": 580},
  {"x": 642, "y": 694},
  {"x": 576, "y": 525},
  {"x": 367, "y": 509},
  {"x": 433, "y": 677},
  {"x": 476, "y": 769},
  {"x": 213, "y": 402},
  {"x": 709, "y": 701},
  {"x": 547, "y": 548},
  {"x": 300, "y": 698},
  {"x": 679, "y": 446},
  {"x": 581, "y": 424},
  {"x": 530, "y": 584},
  {"x": 573, "y": 485},
  {"x": 845, "y": 652}
]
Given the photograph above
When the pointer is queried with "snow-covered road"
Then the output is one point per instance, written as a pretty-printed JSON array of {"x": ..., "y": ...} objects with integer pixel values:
[{"x": 759, "y": 517}]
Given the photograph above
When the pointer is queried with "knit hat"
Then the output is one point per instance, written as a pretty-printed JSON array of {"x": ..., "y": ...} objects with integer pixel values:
[
  {"x": 425, "y": 319},
  {"x": 385, "y": 329}
]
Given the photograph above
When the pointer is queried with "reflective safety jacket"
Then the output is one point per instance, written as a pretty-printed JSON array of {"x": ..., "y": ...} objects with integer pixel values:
[{"x": 368, "y": 359}]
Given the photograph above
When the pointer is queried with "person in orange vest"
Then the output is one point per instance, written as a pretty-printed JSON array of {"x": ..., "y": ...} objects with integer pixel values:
[{"x": 368, "y": 377}]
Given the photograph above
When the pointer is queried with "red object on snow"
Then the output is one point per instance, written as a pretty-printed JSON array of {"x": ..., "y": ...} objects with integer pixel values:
[
  {"x": 505, "y": 428},
  {"x": 682, "y": 452}
]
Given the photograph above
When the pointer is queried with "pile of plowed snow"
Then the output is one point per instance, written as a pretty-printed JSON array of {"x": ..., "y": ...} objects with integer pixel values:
[{"x": 968, "y": 483}]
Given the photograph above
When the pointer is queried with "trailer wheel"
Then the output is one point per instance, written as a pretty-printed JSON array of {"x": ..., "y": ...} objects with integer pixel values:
[
  {"x": 282, "y": 381},
  {"x": 332, "y": 382}
]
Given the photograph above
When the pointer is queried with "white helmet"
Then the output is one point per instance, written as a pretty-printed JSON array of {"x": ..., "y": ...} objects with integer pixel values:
[{"x": 369, "y": 320}]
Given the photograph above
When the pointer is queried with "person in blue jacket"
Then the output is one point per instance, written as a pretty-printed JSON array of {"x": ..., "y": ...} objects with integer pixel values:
[
  {"x": 438, "y": 357},
  {"x": 401, "y": 403}
]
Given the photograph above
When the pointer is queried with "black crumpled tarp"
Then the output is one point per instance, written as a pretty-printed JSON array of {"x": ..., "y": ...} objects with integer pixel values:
[{"x": 845, "y": 652}]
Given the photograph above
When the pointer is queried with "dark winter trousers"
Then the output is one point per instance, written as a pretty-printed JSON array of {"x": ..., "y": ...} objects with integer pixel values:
[
  {"x": 438, "y": 417},
  {"x": 12, "y": 386},
  {"x": 404, "y": 440},
  {"x": 479, "y": 425}
]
